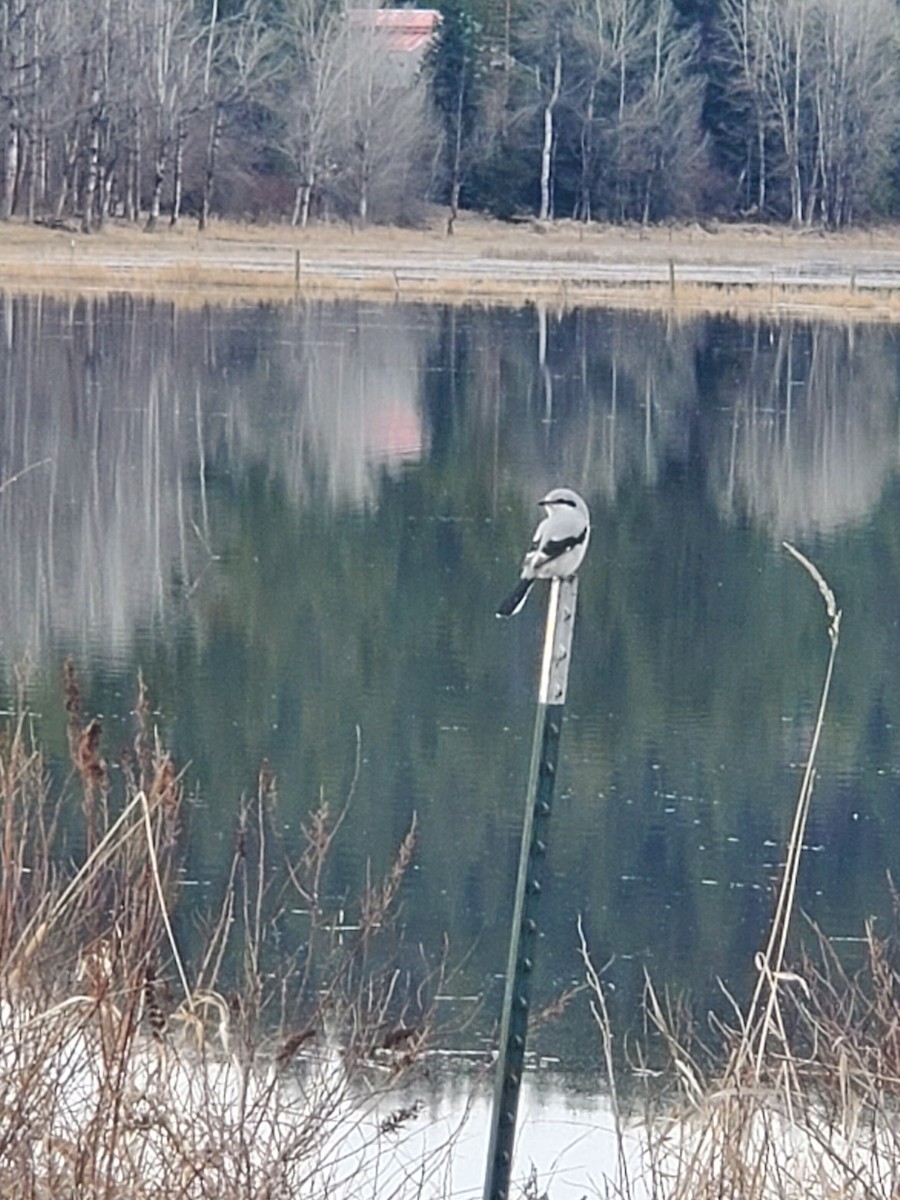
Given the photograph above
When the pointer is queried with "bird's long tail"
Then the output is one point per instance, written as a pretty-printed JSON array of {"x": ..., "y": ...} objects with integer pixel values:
[{"x": 515, "y": 599}]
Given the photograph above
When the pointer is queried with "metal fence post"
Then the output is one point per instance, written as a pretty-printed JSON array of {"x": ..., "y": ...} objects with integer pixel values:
[{"x": 529, "y": 883}]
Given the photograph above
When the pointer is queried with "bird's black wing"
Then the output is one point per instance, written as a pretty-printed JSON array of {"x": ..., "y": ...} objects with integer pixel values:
[{"x": 553, "y": 549}]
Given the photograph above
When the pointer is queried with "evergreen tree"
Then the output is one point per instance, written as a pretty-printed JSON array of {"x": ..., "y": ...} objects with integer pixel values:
[{"x": 456, "y": 67}]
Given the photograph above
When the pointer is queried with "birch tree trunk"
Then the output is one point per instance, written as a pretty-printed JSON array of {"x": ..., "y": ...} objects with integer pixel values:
[
  {"x": 209, "y": 173},
  {"x": 178, "y": 172},
  {"x": 11, "y": 167},
  {"x": 212, "y": 105},
  {"x": 159, "y": 175},
  {"x": 547, "y": 148},
  {"x": 92, "y": 166},
  {"x": 456, "y": 165}
]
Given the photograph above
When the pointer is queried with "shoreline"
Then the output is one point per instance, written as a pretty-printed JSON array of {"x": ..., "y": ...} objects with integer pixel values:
[{"x": 744, "y": 269}]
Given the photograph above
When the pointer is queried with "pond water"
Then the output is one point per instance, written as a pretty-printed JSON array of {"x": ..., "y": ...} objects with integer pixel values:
[{"x": 296, "y": 522}]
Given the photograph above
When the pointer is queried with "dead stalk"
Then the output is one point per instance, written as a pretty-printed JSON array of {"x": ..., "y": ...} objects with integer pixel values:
[
  {"x": 772, "y": 961},
  {"x": 762, "y": 1126}
]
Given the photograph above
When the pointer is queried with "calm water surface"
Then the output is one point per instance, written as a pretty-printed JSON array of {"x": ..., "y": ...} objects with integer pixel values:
[{"x": 297, "y": 521}]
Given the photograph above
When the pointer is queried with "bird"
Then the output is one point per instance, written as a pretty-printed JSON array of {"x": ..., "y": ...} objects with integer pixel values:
[{"x": 558, "y": 546}]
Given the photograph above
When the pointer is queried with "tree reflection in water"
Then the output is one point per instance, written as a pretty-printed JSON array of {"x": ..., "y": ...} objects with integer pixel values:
[{"x": 295, "y": 520}]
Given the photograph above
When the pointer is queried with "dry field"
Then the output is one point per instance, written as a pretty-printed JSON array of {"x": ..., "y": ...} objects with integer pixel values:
[{"x": 683, "y": 268}]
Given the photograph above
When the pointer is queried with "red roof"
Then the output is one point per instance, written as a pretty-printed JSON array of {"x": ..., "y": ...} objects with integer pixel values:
[{"x": 405, "y": 29}]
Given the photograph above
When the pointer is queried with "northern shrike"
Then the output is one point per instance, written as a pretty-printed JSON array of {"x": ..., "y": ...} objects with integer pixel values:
[{"x": 560, "y": 541}]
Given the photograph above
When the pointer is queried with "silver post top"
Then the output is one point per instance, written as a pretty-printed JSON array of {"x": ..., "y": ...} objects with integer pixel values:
[{"x": 558, "y": 641}]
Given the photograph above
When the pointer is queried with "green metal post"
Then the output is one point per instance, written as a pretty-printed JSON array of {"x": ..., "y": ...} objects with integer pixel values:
[{"x": 529, "y": 884}]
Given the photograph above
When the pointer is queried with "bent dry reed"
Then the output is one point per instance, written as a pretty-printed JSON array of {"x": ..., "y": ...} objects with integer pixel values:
[{"x": 799, "y": 1094}]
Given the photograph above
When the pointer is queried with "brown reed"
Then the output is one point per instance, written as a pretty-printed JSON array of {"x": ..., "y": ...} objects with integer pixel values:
[{"x": 127, "y": 1071}]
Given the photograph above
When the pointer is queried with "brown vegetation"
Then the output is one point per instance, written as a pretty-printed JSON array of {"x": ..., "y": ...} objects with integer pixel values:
[
  {"x": 127, "y": 1071},
  {"x": 679, "y": 268}
]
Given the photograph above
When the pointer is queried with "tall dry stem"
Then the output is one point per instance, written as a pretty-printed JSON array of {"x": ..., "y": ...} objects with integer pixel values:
[
  {"x": 759, "y": 1025},
  {"x": 750, "y": 1131}
]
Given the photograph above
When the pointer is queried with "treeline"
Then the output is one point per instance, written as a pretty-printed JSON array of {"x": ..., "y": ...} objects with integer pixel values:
[
  {"x": 646, "y": 110},
  {"x": 623, "y": 110}
]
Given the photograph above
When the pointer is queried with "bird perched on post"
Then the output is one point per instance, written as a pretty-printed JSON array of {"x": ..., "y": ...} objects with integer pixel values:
[{"x": 558, "y": 547}]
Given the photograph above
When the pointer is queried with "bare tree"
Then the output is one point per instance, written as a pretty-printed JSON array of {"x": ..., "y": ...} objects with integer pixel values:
[
  {"x": 318, "y": 63},
  {"x": 544, "y": 49},
  {"x": 672, "y": 147},
  {"x": 213, "y": 109},
  {"x": 745, "y": 50},
  {"x": 823, "y": 80},
  {"x": 238, "y": 62},
  {"x": 378, "y": 126},
  {"x": 635, "y": 99},
  {"x": 855, "y": 98},
  {"x": 27, "y": 88},
  {"x": 550, "y": 103},
  {"x": 614, "y": 41},
  {"x": 170, "y": 75},
  {"x": 12, "y": 62},
  {"x": 97, "y": 52}
]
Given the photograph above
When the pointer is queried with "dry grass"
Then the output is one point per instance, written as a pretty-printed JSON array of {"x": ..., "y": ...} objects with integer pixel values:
[
  {"x": 806, "y": 1103},
  {"x": 682, "y": 269},
  {"x": 124, "y": 1070}
]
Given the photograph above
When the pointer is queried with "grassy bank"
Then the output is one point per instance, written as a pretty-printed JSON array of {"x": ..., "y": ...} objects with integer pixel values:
[{"x": 683, "y": 269}]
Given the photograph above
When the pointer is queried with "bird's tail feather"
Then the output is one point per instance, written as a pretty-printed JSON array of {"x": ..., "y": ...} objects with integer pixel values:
[{"x": 515, "y": 599}]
